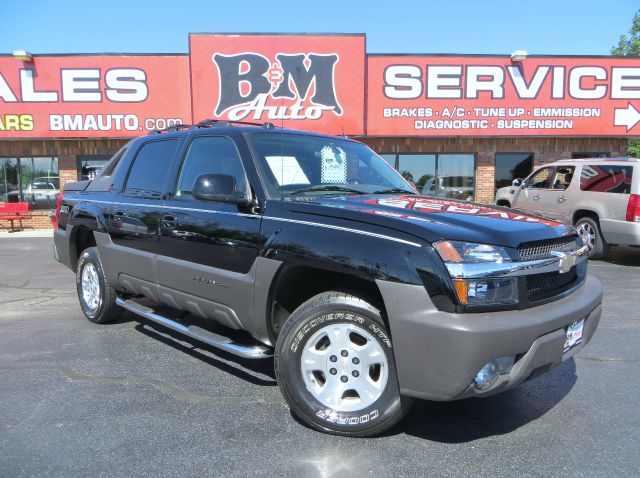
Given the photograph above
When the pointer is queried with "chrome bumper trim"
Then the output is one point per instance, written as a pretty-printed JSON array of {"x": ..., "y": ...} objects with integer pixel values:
[{"x": 562, "y": 262}]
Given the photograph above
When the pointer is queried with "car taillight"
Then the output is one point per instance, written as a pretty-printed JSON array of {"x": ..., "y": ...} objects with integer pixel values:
[
  {"x": 633, "y": 208},
  {"x": 59, "y": 205}
]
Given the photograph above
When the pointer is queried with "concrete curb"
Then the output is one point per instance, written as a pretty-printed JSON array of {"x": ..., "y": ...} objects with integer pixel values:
[{"x": 30, "y": 233}]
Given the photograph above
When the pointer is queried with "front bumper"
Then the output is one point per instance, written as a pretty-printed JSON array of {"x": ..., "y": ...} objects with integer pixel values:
[{"x": 438, "y": 354}]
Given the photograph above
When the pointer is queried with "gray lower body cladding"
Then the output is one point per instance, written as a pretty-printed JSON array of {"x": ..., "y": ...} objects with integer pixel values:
[
  {"x": 232, "y": 299},
  {"x": 438, "y": 354}
]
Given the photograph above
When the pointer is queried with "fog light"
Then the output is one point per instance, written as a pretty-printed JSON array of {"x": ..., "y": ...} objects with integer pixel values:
[{"x": 486, "y": 377}]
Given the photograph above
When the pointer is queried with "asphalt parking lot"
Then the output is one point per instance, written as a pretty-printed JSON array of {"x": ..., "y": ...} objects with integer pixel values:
[{"x": 129, "y": 399}]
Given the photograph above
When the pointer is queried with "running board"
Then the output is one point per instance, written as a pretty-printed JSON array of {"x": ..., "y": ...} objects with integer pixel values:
[{"x": 215, "y": 340}]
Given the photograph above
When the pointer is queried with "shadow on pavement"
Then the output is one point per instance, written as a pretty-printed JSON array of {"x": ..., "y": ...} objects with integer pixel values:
[
  {"x": 471, "y": 419},
  {"x": 263, "y": 367},
  {"x": 622, "y": 256}
]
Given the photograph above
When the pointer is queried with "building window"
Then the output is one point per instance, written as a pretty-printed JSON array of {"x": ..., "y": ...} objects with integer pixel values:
[
  {"x": 32, "y": 180},
  {"x": 90, "y": 166},
  {"x": 510, "y": 166},
  {"x": 389, "y": 158},
  {"x": 444, "y": 175},
  {"x": 589, "y": 155}
]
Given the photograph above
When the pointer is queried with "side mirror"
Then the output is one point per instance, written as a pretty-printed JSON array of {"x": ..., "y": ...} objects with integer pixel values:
[
  {"x": 517, "y": 182},
  {"x": 219, "y": 188}
]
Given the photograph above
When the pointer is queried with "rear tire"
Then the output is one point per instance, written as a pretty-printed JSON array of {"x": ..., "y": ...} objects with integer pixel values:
[
  {"x": 97, "y": 297},
  {"x": 589, "y": 230},
  {"x": 335, "y": 367}
]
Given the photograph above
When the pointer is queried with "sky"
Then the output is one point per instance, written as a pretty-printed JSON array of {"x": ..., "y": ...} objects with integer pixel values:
[{"x": 561, "y": 27}]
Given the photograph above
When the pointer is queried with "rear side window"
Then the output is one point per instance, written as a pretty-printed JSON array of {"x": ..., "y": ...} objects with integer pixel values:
[
  {"x": 562, "y": 177},
  {"x": 149, "y": 171},
  {"x": 606, "y": 178},
  {"x": 210, "y": 155}
]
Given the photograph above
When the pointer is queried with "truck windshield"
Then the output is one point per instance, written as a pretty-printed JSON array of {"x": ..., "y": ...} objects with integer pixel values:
[{"x": 297, "y": 164}]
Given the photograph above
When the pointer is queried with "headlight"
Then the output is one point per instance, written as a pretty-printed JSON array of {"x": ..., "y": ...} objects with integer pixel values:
[
  {"x": 452, "y": 251},
  {"x": 484, "y": 291}
]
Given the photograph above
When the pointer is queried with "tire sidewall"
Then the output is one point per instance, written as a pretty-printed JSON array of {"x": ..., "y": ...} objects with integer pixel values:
[
  {"x": 599, "y": 247},
  {"x": 288, "y": 369},
  {"x": 90, "y": 256}
]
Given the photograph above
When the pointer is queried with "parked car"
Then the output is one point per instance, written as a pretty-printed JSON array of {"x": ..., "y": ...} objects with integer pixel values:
[
  {"x": 40, "y": 193},
  {"x": 601, "y": 197},
  {"x": 312, "y": 251},
  {"x": 454, "y": 187}
]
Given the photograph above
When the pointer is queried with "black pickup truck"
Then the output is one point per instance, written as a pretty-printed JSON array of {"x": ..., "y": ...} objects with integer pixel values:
[{"x": 268, "y": 242}]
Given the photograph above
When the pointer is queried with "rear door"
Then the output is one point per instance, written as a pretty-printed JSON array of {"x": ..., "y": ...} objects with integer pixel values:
[{"x": 136, "y": 210}]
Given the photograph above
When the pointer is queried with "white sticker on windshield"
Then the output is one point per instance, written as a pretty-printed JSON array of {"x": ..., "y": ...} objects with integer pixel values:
[
  {"x": 287, "y": 170},
  {"x": 333, "y": 162}
]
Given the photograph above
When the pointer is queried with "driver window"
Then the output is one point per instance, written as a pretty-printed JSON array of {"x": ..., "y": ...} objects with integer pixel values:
[
  {"x": 210, "y": 155},
  {"x": 562, "y": 178},
  {"x": 541, "y": 179}
]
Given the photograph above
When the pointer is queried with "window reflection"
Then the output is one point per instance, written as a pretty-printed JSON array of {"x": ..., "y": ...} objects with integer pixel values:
[{"x": 33, "y": 180}]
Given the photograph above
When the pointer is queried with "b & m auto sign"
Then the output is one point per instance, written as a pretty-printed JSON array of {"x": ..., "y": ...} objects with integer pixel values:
[
  {"x": 300, "y": 81},
  {"x": 92, "y": 96},
  {"x": 493, "y": 96}
]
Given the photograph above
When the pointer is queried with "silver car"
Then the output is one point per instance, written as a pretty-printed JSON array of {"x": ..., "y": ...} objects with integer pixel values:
[{"x": 601, "y": 197}]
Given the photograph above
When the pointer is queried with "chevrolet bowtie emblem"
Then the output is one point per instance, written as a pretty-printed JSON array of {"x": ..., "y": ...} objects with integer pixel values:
[{"x": 567, "y": 261}]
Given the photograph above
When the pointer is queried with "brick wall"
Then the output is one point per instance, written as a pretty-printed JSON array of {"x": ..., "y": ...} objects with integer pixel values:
[
  {"x": 66, "y": 152},
  {"x": 545, "y": 150}
]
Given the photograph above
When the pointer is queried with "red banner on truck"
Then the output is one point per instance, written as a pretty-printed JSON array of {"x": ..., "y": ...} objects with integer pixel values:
[
  {"x": 312, "y": 82},
  {"x": 92, "y": 95},
  {"x": 495, "y": 96}
]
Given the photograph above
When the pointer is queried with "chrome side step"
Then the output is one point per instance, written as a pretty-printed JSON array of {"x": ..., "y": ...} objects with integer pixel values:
[{"x": 215, "y": 340}]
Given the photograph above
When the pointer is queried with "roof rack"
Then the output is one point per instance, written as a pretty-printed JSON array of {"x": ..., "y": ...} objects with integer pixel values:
[{"x": 208, "y": 123}]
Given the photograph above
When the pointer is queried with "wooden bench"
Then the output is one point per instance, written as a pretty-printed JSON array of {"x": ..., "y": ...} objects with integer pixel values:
[{"x": 14, "y": 211}]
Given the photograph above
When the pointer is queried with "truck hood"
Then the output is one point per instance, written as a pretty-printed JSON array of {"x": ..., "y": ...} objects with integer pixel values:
[{"x": 433, "y": 218}]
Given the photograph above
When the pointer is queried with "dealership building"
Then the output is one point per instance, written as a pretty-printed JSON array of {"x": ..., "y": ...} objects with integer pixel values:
[{"x": 455, "y": 125}]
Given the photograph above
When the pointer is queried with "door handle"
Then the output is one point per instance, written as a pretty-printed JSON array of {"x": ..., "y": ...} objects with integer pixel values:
[
  {"x": 118, "y": 213},
  {"x": 562, "y": 199},
  {"x": 536, "y": 197}
]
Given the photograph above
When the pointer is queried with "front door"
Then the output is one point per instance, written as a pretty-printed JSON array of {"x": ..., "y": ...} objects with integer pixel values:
[
  {"x": 531, "y": 196},
  {"x": 207, "y": 249}
]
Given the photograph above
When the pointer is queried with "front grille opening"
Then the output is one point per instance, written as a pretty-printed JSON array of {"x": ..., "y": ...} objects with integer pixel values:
[
  {"x": 535, "y": 250},
  {"x": 549, "y": 284}
]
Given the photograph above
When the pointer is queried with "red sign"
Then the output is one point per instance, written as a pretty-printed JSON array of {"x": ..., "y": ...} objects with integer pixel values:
[
  {"x": 312, "y": 82},
  {"x": 92, "y": 96},
  {"x": 493, "y": 96}
]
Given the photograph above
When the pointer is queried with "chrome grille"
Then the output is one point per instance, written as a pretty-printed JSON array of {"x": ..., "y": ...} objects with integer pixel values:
[{"x": 534, "y": 250}]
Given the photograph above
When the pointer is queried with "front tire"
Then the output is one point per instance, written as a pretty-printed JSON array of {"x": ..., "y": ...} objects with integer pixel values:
[
  {"x": 97, "y": 297},
  {"x": 589, "y": 230},
  {"x": 335, "y": 367}
]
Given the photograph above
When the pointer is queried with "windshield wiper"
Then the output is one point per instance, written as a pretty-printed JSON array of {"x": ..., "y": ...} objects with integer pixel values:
[
  {"x": 393, "y": 190},
  {"x": 326, "y": 188}
]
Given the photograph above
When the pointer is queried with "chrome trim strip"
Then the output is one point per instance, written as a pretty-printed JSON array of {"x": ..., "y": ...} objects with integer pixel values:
[
  {"x": 346, "y": 229},
  {"x": 281, "y": 219},
  {"x": 515, "y": 269},
  {"x": 210, "y": 338}
]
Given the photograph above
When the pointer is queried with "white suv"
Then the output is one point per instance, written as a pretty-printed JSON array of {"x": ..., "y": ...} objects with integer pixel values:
[{"x": 601, "y": 197}]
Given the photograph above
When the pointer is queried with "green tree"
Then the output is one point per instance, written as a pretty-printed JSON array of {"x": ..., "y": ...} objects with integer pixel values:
[{"x": 630, "y": 46}]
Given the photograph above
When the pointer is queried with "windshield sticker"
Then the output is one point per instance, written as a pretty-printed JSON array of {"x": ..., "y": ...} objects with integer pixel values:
[
  {"x": 333, "y": 165},
  {"x": 287, "y": 170}
]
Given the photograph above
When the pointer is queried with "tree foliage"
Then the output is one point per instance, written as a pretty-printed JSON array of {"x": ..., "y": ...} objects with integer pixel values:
[{"x": 630, "y": 46}]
